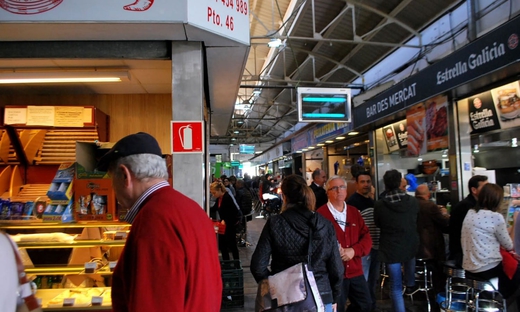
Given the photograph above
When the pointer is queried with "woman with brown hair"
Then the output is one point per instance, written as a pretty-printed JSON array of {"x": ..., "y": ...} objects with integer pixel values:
[
  {"x": 285, "y": 240},
  {"x": 228, "y": 214},
  {"x": 484, "y": 231}
]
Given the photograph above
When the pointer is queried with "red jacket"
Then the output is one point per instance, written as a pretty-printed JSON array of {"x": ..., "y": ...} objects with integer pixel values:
[
  {"x": 170, "y": 259},
  {"x": 356, "y": 235}
]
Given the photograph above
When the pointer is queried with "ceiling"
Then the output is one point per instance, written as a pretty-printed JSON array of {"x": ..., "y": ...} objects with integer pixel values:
[{"x": 327, "y": 43}]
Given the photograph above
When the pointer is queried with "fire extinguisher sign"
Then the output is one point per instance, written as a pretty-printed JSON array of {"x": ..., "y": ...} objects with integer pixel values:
[{"x": 187, "y": 137}]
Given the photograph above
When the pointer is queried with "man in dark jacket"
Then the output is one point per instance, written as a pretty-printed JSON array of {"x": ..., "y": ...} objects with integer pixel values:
[
  {"x": 363, "y": 200},
  {"x": 319, "y": 177},
  {"x": 396, "y": 216},
  {"x": 244, "y": 199},
  {"x": 458, "y": 213}
]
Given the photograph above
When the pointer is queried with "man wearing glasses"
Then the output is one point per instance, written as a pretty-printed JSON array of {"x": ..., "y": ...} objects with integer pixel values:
[{"x": 354, "y": 242}]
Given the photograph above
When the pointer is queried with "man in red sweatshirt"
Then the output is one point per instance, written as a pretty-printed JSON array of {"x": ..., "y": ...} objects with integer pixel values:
[
  {"x": 354, "y": 242},
  {"x": 170, "y": 259}
]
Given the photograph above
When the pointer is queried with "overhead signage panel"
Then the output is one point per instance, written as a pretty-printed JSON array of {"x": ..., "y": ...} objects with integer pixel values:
[
  {"x": 492, "y": 51},
  {"x": 228, "y": 18},
  {"x": 323, "y": 104}
]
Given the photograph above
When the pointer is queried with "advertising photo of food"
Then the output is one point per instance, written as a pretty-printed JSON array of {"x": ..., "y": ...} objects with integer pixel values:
[{"x": 508, "y": 104}]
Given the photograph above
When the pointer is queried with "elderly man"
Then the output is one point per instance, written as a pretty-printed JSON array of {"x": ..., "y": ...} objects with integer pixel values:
[
  {"x": 354, "y": 242},
  {"x": 170, "y": 259},
  {"x": 432, "y": 221},
  {"x": 318, "y": 179}
]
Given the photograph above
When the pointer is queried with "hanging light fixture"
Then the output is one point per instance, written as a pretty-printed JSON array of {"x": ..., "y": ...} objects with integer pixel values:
[{"x": 274, "y": 43}]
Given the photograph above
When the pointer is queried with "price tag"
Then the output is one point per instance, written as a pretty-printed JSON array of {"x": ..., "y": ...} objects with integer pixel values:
[
  {"x": 112, "y": 265},
  {"x": 90, "y": 267},
  {"x": 120, "y": 235},
  {"x": 97, "y": 300},
  {"x": 69, "y": 301}
]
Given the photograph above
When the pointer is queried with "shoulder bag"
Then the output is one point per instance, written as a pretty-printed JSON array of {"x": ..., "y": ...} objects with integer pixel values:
[
  {"x": 291, "y": 290},
  {"x": 26, "y": 300}
]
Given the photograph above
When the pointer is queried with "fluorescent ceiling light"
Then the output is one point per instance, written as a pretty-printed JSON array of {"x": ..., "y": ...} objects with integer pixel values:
[
  {"x": 353, "y": 133},
  {"x": 65, "y": 76},
  {"x": 329, "y": 141},
  {"x": 311, "y": 147},
  {"x": 320, "y": 144},
  {"x": 340, "y": 138},
  {"x": 274, "y": 43}
]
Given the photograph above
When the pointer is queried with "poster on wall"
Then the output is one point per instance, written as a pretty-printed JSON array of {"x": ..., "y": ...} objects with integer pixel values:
[
  {"x": 390, "y": 138},
  {"x": 482, "y": 113},
  {"x": 436, "y": 119},
  {"x": 402, "y": 133},
  {"x": 416, "y": 130},
  {"x": 507, "y": 103}
]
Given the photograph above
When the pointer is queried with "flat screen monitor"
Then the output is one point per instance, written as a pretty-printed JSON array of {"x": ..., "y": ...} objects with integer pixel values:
[
  {"x": 246, "y": 149},
  {"x": 324, "y": 104}
]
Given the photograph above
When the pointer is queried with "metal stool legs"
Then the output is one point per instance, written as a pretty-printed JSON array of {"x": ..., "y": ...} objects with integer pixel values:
[
  {"x": 477, "y": 288},
  {"x": 455, "y": 285},
  {"x": 423, "y": 278}
]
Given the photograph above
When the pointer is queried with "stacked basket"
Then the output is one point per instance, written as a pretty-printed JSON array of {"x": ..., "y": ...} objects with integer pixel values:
[{"x": 233, "y": 284}]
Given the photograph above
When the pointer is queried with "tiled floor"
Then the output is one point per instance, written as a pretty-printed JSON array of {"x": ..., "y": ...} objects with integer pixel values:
[{"x": 254, "y": 229}]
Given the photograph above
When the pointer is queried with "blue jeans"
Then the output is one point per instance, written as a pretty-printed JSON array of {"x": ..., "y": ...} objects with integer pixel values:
[
  {"x": 396, "y": 281},
  {"x": 328, "y": 307},
  {"x": 371, "y": 268}
]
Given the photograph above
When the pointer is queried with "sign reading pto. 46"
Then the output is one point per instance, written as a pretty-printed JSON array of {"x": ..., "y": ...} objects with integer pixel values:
[{"x": 229, "y": 18}]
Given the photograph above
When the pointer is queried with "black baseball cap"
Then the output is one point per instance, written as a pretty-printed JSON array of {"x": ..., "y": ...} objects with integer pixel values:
[{"x": 139, "y": 143}]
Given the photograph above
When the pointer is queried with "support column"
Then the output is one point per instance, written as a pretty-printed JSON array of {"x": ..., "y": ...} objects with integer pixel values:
[{"x": 188, "y": 102}]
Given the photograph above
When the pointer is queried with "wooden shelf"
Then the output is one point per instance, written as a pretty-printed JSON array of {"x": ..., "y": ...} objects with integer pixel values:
[
  {"x": 66, "y": 270},
  {"x": 74, "y": 244},
  {"x": 23, "y": 224}
]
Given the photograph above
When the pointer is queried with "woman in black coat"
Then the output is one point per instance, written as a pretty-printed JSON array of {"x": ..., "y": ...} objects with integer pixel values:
[
  {"x": 228, "y": 213},
  {"x": 284, "y": 241}
]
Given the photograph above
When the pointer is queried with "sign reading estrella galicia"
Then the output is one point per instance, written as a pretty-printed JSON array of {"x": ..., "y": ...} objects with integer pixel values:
[{"x": 324, "y": 104}]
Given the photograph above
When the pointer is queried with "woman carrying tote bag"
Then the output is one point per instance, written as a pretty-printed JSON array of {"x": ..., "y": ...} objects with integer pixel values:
[{"x": 284, "y": 242}]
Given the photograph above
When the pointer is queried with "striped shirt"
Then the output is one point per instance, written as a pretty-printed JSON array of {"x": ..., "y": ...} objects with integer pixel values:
[
  {"x": 368, "y": 216},
  {"x": 132, "y": 213}
]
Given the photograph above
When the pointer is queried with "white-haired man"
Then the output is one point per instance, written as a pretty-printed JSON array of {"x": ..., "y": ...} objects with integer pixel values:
[{"x": 170, "y": 259}]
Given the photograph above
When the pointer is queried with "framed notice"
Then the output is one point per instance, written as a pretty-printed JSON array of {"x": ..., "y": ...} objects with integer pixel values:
[
  {"x": 15, "y": 115},
  {"x": 68, "y": 116},
  {"x": 40, "y": 116}
]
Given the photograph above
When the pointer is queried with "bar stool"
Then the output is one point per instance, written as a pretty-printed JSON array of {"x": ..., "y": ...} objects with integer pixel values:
[
  {"x": 384, "y": 276},
  {"x": 423, "y": 280},
  {"x": 477, "y": 287},
  {"x": 455, "y": 285}
]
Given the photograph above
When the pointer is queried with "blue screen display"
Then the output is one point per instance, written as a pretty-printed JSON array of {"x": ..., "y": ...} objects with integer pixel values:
[{"x": 246, "y": 149}]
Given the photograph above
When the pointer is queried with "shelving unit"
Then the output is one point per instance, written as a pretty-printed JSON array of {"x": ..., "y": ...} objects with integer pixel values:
[{"x": 46, "y": 295}]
